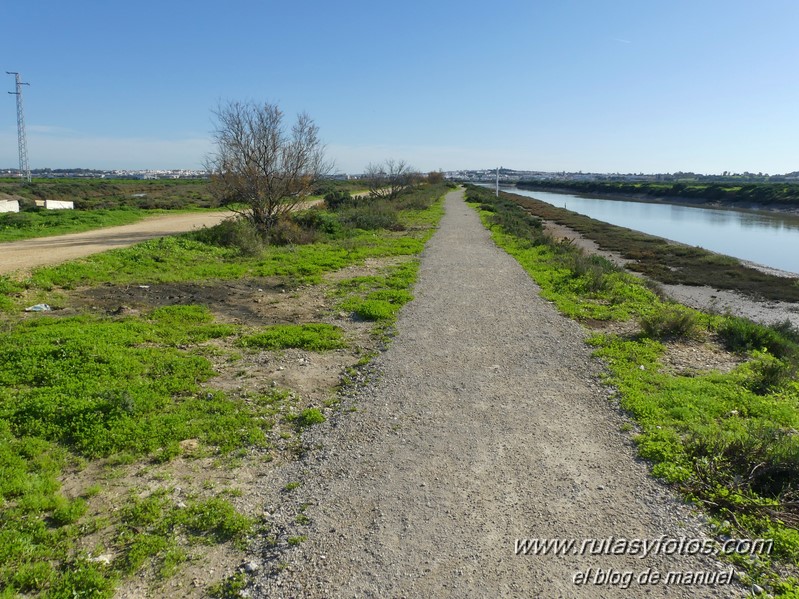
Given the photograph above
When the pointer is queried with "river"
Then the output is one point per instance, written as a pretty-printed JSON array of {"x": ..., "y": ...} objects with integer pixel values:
[{"x": 767, "y": 238}]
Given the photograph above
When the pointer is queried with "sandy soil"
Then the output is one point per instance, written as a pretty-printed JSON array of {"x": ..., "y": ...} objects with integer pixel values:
[
  {"x": 485, "y": 423},
  {"x": 29, "y": 253}
]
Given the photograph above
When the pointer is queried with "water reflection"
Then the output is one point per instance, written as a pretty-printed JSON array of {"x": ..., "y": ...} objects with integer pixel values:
[{"x": 771, "y": 239}]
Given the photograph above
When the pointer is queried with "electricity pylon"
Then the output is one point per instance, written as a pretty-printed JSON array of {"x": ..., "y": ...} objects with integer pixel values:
[{"x": 24, "y": 170}]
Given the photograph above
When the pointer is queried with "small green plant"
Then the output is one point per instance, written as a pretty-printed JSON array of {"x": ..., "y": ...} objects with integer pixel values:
[
  {"x": 291, "y": 486},
  {"x": 296, "y": 540},
  {"x": 229, "y": 588},
  {"x": 311, "y": 337},
  {"x": 338, "y": 198},
  {"x": 309, "y": 417},
  {"x": 374, "y": 309}
]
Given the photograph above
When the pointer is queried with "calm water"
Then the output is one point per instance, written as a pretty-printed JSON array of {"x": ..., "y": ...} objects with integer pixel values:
[{"x": 771, "y": 239}]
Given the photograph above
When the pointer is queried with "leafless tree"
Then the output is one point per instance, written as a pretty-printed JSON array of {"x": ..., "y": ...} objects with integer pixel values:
[
  {"x": 261, "y": 165},
  {"x": 389, "y": 179}
]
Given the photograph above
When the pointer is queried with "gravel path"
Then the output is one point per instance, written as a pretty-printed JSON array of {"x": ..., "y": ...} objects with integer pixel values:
[
  {"x": 485, "y": 424},
  {"x": 42, "y": 251}
]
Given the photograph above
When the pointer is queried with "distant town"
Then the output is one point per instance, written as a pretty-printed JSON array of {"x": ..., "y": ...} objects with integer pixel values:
[
  {"x": 506, "y": 176},
  {"x": 510, "y": 176}
]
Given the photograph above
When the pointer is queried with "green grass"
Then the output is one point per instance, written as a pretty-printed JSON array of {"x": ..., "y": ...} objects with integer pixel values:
[
  {"x": 309, "y": 417},
  {"x": 727, "y": 440},
  {"x": 311, "y": 337},
  {"x": 378, "y": 298}
]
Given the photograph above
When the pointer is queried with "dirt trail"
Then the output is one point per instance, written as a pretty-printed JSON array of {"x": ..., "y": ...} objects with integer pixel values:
[
  {"x": 487, "y": 423},
  {"x": 30, "y": 253}
]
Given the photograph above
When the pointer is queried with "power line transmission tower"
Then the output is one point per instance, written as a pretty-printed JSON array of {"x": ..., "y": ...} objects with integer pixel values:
[{"x": 24, "y": 170}]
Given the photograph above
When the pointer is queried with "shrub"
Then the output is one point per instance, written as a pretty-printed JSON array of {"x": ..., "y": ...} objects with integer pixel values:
[
  {"x": 742, "y": 335},
  {"x": 318, "y": 220},
  {"x": 670, "y": 322},
  {"x": 413, "y": 201},
  {"x": 338, "y": 199},
  {"x": 376, "y": 215},
  {"x": 762, "y": 457},
  {"x": 592, "y": 269},
  {"x": 237, "y": 233},
  {"x": 766, "y": 374},
  {"x": 519, "y": 223},
  {"x": 288, "y": 232}
]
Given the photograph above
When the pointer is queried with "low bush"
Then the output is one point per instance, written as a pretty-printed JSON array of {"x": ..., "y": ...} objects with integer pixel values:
[
  {"x": 286, "y": 231},
  {"x": 372, "y": 216},
  {"x": 670, "y": 322},
  {"x": 318, "y": 220},
  {"x": 766, "y": 374},
  {"x": 742, "y": 335},
  {"x": 590, "y": 269},
  {"x": 237, "y": 233},
  {"x": 338, "y": 199},
  {"x": 760, "y": 457}
]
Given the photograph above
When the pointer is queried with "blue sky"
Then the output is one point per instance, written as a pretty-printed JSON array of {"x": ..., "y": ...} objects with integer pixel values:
[{"x": 609, "y": 86}]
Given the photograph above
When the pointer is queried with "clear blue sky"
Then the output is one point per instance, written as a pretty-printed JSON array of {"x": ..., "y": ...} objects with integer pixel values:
[{"x": 592, "y": 85}]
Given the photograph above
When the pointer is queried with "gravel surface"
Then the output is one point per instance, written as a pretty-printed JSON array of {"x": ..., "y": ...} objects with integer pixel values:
[
  {"x": 30, "y": 253},
  {"x": 484, "y": 422}
]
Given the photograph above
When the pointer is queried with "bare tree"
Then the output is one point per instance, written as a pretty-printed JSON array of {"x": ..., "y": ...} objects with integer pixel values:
[
  {"x": 389, "y": 179},
  {"x": 260, "y": 164}
]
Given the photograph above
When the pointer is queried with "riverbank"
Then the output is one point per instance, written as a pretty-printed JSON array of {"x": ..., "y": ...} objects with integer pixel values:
[
  {"x": 666, "y": 261},
  {"x": 699, "y": 297}
]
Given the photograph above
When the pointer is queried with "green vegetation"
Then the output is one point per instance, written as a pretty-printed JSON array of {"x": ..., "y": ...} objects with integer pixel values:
[
  {"x": 309, "y": 417},
  {"x": 665, "y": 261},
  {"x": 199, "y": 257},
  {"x": 785, "y": 194},
  {"x": 90, "y": 194},
  {"x": 671, "y": 322},
  {"x": 378, "y": 298},
  {"x": 80, "y": 388},
  {"x": 313, "y": 337},
  {"x": 109, "y": 397},
  {"x": 727, "y": 440},
  {"x": 230, "y": 588}
]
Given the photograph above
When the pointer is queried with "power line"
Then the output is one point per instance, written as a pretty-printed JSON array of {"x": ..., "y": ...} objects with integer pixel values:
[{"x": 24, "y": 169}]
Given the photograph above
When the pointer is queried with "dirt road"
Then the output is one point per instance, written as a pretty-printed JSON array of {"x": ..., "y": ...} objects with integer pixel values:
[
  {"x": 30, "y": 253},
  {"x": 486, "y": 424}
]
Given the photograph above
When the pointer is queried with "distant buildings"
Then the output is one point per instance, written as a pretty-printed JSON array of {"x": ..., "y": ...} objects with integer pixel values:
[{"x": 86, "y": 173}]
